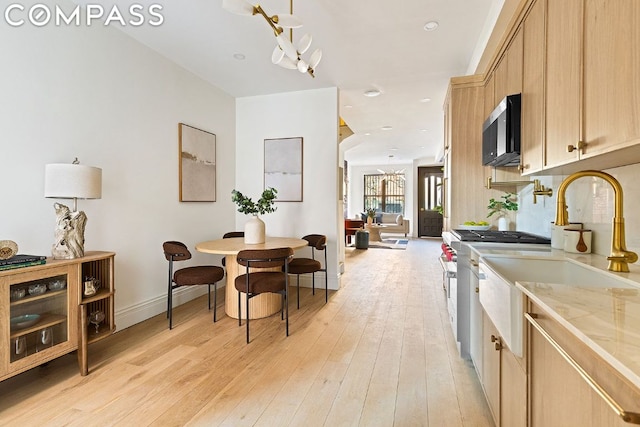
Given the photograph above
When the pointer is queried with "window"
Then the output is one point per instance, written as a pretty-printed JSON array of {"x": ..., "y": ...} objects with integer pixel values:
[{"x": 384, "y": 192}]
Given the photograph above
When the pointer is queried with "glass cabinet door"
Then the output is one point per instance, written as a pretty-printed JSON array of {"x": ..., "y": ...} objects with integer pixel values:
[{"x": 38, "y": 315}]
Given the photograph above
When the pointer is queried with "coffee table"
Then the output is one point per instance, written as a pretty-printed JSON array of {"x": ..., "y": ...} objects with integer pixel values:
[{"x": 374, "y": 231}]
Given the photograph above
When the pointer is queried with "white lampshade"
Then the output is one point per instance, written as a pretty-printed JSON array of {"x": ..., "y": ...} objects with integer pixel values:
[
  {"x": 287, "y": 47},
  {"x": 288, "y": 21},
  {"x": 72, "y": 181}
]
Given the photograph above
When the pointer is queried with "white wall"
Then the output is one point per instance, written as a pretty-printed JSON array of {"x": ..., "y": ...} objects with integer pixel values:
[
  {"x": 96, "y": 94},
  {"x": 590, "y": 201},
  {"x": 312, "y": 115}
]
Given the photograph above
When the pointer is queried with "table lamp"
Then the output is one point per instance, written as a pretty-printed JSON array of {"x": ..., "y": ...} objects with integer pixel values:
[{"x": 71, "y": 181}]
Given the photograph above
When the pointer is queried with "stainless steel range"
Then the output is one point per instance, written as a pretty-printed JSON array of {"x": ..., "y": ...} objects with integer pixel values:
[
  {"x": 462, "y": 300},
  {"x": 491, "y": 236}
]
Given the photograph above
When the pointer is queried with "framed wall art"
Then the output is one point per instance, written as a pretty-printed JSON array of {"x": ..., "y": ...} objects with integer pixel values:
[
  {"x": 197, "y": 164},
  {"x": 283, "y": 168}
]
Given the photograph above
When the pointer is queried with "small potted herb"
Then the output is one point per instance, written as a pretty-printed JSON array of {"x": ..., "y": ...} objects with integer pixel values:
[{"x": 501, "y": 208}]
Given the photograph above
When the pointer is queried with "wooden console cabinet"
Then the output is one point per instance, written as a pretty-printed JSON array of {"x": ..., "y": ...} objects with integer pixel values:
[{"x": 36, "y": 327}]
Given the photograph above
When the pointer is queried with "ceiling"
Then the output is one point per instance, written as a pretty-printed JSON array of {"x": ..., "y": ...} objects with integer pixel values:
[{"x": 366, "y": 44}]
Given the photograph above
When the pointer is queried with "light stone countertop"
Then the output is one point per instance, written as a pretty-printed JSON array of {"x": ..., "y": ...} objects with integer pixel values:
[{"x": 607, "y": 320}]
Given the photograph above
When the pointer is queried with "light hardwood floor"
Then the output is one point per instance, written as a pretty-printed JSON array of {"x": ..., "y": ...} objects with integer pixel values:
[{"x": 380, "y": 353}]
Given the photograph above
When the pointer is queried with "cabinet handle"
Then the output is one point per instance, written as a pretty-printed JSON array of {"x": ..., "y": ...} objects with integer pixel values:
[
  {"x": 629, "y": 417},
  {"x": 498, "y": 345},
  {"x": 473, "y": 262},
  {"x": 494, "y": 338},
  {"x": 579, "y": 146}
]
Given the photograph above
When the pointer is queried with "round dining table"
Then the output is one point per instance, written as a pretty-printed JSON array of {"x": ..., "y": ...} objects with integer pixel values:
[{"x": 262, "y": 305}]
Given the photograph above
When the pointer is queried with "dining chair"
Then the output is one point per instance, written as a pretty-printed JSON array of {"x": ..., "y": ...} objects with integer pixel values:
[
  {"x": 302, "y": 265},
  {"x": 230, "y": 235},
  {"x": 189, "y": 276},
  {"x": 255, "y": 282}
]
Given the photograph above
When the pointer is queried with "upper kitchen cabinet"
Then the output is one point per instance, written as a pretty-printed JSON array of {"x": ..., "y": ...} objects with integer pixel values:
[
  {"x": 563, "y": 80},
  {"x": 532, "y": 131},
  {"x": 611, "y": 75},
  {"x": 466, "y": 198}
]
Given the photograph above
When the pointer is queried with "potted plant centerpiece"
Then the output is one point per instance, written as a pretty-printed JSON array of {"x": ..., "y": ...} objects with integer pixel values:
[
  {"x": 371, "y": 214},
  {"x": 254, "y": 229},
  {"x": 500, "y": 208}
]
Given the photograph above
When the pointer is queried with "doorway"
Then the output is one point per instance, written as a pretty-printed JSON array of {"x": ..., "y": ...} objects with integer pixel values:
[{"x": 430, "y": 201}]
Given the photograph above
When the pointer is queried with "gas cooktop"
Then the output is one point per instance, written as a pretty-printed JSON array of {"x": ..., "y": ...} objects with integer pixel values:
[{"x": 499, "y": 236}]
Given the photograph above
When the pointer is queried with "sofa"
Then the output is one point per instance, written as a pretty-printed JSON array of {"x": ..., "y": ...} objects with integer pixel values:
[{"x": 393, "y": 222}]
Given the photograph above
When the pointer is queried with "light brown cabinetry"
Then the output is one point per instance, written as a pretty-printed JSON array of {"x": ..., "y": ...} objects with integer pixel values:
[
  {"x": 558, "y": 395},
  {"x": 563, "y": 80},
  {"x": 43, "y": 312},
  {"x": 532, "y": 128},
  {"x": 611, "y": 75},
  {"x": 504, "y": 379},
  {"x": 464, "y": 174}
]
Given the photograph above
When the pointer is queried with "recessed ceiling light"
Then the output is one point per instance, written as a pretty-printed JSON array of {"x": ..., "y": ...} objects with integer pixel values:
[
  {"x": 239, "y": 56},
  {"x": 367, "y": 133},
  {"x": 348, "y": 106},
  {"x": 387, "y": 127},
  {"x": 423, "y": 130},
  {"x": 393, "y": 149},
  {"x": 425, "y": 100},
  {"x": 371, "y": 93},
  {"x": 431, "y": 25}
]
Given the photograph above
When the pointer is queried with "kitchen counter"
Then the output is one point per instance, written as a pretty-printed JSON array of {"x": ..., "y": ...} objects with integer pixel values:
[{"x": 607, "y": 320}]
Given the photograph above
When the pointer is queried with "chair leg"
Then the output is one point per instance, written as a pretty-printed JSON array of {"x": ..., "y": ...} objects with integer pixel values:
[
  {"x": 326, "y": 286},
  {"x": 170, "y": 309},
  {"x": 286, "y": 305},
  {"x": 298, "y": 294},
  {"x": 313, "y": 283},
  {"x": 209, "y": 297},
  {"x": 247, "y": 321},
  {"x": 239, "y": 311},
  {"x": 215, "y": 300}
]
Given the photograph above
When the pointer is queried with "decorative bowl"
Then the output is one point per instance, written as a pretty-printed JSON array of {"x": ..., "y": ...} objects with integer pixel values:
[
  {"x": 38, "y": 289},
  {"x": 8, "y": 249},
  {"x": 56, "y": 285},
  {"x": 24, "y": 321},
  {"x": 18, "y": 293},
  {"x": 474, "y": 227}
]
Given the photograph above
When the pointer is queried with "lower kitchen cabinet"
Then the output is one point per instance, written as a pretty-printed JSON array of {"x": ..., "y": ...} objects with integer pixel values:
[
  {"x": 504, "y": 379},
  {"x": 558, "y": 395}
]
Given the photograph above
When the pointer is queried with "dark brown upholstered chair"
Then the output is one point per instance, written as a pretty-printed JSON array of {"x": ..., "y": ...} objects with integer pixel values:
[
  {"x": 188, "y": 276},
  {"x": 229, "y": 235},
  {"x": 258, "y": 282},
  {"x": 300, "y": 266}
]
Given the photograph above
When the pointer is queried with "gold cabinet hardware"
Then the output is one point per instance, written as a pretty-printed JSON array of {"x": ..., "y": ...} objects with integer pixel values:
[
  {"x": 629, "y": 417},
  {"x": 579, "y": 146},
  {"x": 540, "y": 190},
  {"x": 522, "y": 167},
  {"x": 473, "y": 262},
  {"x": 498, "y": 343},
  {"x": 477, "y": 290}
]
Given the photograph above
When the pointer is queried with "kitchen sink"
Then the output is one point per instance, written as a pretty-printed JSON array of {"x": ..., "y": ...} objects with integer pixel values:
[{"x": 503, "y": 301}]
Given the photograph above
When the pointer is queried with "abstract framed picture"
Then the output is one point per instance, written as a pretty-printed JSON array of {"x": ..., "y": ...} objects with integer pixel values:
[
  {"x": 197, "y": 164},
  {"x": 283, "y": 168}
]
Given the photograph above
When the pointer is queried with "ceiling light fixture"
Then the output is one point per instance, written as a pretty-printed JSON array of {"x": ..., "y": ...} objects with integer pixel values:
[
  {"x": 372, "y": 93},
  {"x": 425, "y": 100},
  {"x": 397, "y": 173},
  {"x": 431, "y": 25},
  {"x": 285, "y": 53},
  {"x": 387, "y": 127},
  {"x": 239, "y": 56}
]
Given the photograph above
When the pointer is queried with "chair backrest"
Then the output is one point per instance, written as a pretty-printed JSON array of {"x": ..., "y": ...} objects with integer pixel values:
[
  {"x": 176, "y": 251},
  {"x": 231, "y": 234},
  {"x": 265, "y": 258},
  {"x": 317, "y": 241}
]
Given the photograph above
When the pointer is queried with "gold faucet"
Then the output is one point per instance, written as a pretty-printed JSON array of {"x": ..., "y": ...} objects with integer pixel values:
[{"x": 620, "y": 257}]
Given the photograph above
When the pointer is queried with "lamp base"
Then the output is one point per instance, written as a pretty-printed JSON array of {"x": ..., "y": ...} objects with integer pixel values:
[{"x": 69, "y": 233}]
